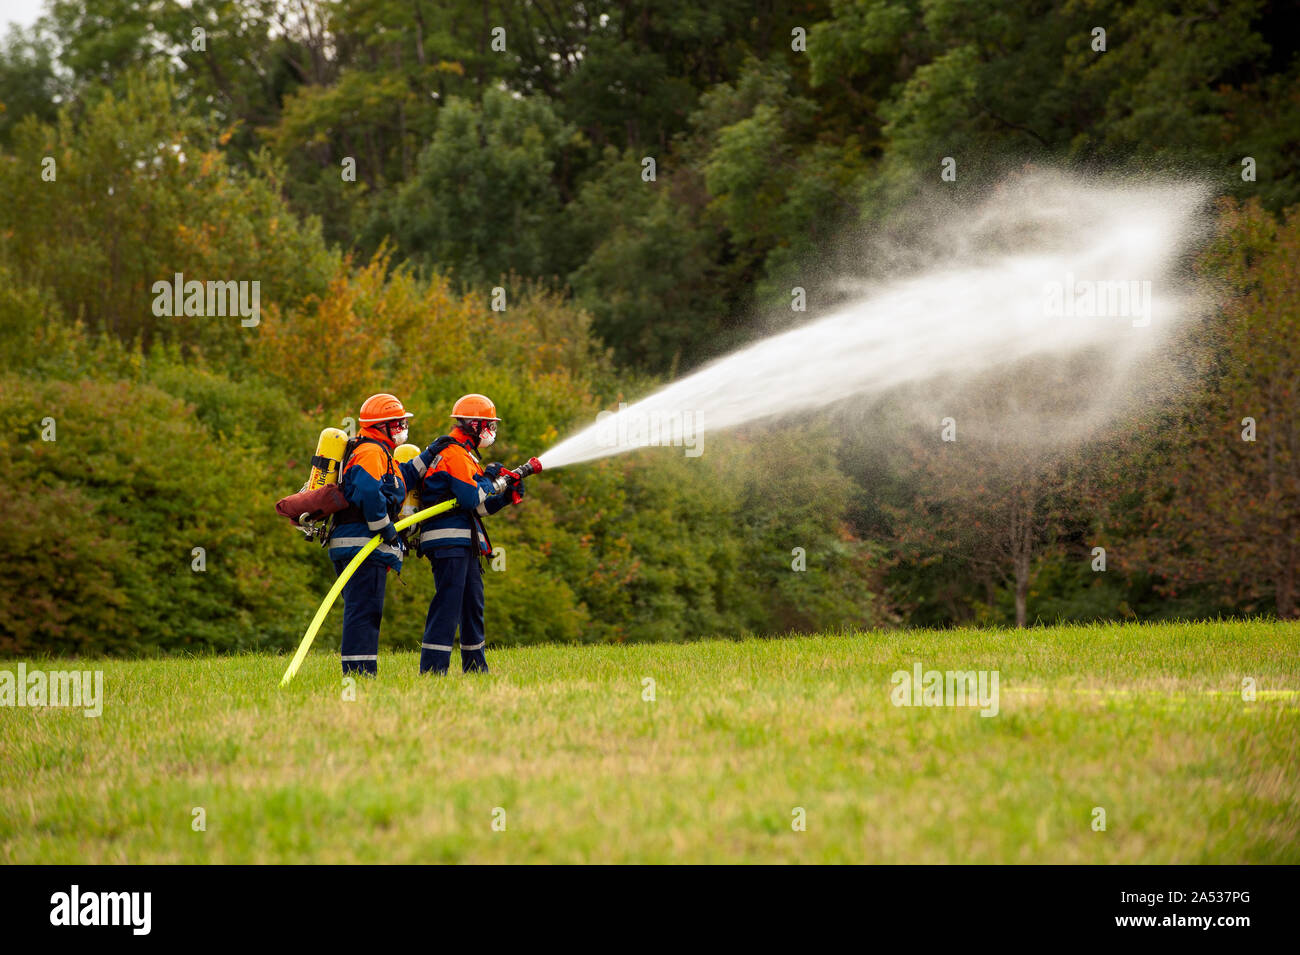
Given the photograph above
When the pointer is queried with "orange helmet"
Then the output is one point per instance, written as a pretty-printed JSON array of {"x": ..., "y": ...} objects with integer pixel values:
[
  {"x": 379, "y": 408},
  {"x": 475, "y": 406}
]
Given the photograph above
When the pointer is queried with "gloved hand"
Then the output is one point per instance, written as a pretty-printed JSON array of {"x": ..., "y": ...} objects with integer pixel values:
[
  {"x": 391, "y": 536},
  {"x": 516, "y": 492},
  {"x": 493, "y": 469}
]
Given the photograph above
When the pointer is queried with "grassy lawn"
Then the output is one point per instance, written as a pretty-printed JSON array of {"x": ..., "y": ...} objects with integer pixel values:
[{"x": 1146, "y": 722}]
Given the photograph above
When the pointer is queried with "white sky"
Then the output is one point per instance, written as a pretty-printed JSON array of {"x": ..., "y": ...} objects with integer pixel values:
[{"x": 24, "y": 12}]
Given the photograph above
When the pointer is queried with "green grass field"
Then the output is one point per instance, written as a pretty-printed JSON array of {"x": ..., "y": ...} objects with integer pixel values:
[{"x": 1146, "y": 722}]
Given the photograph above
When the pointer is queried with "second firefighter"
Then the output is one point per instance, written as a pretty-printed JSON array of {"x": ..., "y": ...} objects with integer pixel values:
[{"x": 456, "y": 541}]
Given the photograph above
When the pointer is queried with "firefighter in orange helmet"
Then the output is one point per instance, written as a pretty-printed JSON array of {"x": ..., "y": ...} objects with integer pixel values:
[
  {"x": 455, "y": 541},
  {"x": 374, "y": 485}
]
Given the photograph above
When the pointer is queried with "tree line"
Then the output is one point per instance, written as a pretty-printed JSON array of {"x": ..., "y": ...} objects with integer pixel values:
[{"x": 379, "y": 166}]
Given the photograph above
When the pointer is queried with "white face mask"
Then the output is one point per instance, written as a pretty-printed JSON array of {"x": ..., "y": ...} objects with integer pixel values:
[
  {"x": 399, "y": 435},
  {"x": 487, "y": 437}
]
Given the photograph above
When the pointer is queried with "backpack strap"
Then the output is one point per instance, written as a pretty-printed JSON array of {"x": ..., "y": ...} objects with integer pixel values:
[{"x": 439, "y": 445}]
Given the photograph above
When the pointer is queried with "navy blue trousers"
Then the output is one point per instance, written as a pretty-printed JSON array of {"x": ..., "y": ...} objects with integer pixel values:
[
  {"x": 458, "y": 603},
  {"x": 363, "y": 609}
]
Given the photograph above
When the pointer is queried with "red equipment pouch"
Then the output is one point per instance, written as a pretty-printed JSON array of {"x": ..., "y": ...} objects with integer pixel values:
[{"x": 315, "y": 504}]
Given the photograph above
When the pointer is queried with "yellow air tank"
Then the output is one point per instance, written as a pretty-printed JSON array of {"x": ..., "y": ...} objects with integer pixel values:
[
  {"x": 328, "y": 459},
  {"x": 411, "y": 504}
]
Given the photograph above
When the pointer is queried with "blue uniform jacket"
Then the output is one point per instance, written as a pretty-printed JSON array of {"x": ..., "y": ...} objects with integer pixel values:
[
  {"x": 375, "y": 484},
  {"x": 453, "y": 471}
]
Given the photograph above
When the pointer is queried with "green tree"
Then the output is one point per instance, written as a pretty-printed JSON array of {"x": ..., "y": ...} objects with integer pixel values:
[
  {"x": 142, "y": 191},
  {"x": 1231, "y": 513},
  {"x": 28, "y": 84},
  {"x": 484, "y": 201}
]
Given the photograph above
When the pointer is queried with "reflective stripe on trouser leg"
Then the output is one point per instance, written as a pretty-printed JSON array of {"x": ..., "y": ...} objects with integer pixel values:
[
  {"x": 363, "y": 610},
  {"x": 472, "y": 659},
  {"x": 444, "y": 613}
]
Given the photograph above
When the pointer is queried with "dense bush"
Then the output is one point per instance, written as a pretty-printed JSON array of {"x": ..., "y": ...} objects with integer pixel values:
[
  {"x": 104, "y": 521},
  {"x": 152, "y": 458}
]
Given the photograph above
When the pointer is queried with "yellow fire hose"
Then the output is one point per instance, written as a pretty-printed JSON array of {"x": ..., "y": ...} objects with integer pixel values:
[{"x": 330, "y": 597}]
